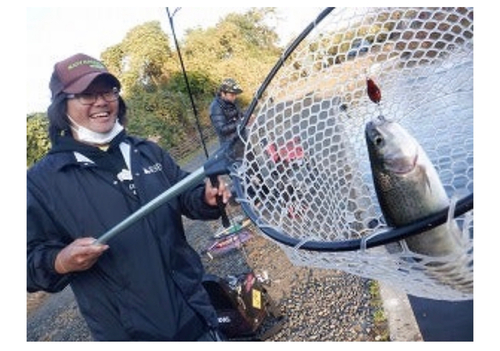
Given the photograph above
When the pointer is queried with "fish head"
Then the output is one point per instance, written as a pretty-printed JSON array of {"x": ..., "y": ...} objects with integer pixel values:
[{"x": 391, "y": 147}]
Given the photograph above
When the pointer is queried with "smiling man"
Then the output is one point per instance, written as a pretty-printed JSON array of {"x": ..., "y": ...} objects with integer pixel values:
[{"x": 147, "y": 283}]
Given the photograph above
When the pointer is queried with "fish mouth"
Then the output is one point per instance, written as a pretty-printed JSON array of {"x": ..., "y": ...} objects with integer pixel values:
[{"x": 401, "y": 165}]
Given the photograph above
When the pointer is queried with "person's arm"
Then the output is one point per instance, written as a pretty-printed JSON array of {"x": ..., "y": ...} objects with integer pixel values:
[
  {"x": 52, "y": 256},
  {"x": 43, "y": 246}
]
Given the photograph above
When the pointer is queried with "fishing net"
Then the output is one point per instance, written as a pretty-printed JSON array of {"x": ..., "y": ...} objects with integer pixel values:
[{"x": 305, "y": 172}]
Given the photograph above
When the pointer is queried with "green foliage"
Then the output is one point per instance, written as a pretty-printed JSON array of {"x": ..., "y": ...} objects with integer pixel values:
[
  {"x": 140, "y": 58},
  {"x": 160, "y": 115},
  {"x": 379, "y": 316},
  {"x": 200, "y": 84},
  {"x": 37, "y": 138},
  {"x": 113, "y": 57},
  {"x": 254, "y": 33},
  {"x": 241, "y": 46}
]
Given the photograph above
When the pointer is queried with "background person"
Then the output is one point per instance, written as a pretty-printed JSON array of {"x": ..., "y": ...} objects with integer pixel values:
[{"x": 225, "y": 114}]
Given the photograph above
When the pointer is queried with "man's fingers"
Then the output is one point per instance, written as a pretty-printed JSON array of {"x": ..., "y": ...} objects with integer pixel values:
[{"x": 81, "y": 254}]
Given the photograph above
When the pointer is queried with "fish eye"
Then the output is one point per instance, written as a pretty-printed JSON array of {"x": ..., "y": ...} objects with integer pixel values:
[{"x": 378, "y": 140}]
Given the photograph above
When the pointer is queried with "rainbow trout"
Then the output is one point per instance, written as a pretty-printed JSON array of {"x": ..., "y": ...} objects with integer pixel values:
[{"x": 408, "y": 188}]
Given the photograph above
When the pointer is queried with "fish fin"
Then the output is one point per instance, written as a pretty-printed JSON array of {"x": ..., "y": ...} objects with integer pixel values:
[{"x": 451, "y": 212}]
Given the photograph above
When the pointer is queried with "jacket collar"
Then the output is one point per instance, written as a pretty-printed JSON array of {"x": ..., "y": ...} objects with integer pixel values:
[{"x": 67, "y": 158}]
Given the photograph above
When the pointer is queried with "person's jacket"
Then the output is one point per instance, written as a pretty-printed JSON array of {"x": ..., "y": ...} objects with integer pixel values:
[
  {"x": 226, "y": 117},
  {"x": 148, "y": 284}
]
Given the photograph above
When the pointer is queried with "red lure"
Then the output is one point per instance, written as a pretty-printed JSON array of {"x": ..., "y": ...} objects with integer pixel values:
[{"x": 373, "y": 90}]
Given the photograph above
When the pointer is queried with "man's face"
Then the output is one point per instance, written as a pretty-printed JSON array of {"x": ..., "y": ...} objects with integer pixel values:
[
  {"x": 99, "y": 116},
  {"x": 231, "y": 97}
]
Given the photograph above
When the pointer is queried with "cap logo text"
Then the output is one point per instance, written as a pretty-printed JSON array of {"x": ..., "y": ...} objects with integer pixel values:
[{"x": 90, "y": 63}]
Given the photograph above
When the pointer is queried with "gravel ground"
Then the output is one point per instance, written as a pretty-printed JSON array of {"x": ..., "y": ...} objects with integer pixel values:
[{"x": 318, "y": 304}]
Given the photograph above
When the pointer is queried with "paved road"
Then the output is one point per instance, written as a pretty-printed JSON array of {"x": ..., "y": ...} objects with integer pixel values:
[{"x": 444, "y": 320}]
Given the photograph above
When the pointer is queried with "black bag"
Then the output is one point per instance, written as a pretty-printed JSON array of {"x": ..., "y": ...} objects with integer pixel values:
[{"x": 242, "y": 305}]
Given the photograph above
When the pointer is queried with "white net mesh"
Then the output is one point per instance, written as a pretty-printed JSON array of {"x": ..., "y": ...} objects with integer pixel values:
[{"x": 306, "y": 172}]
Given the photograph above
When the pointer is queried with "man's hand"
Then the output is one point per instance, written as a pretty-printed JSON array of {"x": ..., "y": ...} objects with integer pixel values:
[
  {"x": 211, "y": 193},
  {"x": 80, "y": 255}
]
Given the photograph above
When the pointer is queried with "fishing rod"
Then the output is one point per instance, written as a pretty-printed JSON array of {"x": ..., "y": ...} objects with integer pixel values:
[
  {"x": 213, "y": 179},
  {"x": 186, "y": 80}
]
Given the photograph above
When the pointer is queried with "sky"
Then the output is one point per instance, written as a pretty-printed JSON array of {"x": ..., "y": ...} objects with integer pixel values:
[{"x": 56, "y": 33}]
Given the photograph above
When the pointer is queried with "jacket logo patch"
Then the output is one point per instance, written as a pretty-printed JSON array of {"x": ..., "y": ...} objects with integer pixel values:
[{"x": 157, "y": 167}]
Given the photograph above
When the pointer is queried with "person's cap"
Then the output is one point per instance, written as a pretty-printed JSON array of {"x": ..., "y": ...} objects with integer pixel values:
[
  {"x": 74, "y": 74},
  {"x": 229, "y": 85}
]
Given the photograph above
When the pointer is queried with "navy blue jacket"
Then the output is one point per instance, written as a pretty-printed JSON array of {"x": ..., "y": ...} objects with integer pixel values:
[
  {"x": 226, "y": 117},
  {"x": 148, "y": 285}
]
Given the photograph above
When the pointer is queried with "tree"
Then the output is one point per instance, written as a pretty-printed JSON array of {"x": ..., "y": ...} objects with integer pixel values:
[
  {"x": 141, "y": 63},
  {"x": 37, "y": 138},
  {"x": 241, "y": 46},
  {"x": 140, "y": 59}
]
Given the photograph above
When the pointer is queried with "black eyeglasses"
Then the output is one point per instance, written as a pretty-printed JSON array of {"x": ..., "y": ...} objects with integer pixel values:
[{"x": 91, "y": 98}]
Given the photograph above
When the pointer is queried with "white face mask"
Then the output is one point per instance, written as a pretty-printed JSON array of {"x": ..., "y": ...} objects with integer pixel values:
[{"x": 87, "y": 136}]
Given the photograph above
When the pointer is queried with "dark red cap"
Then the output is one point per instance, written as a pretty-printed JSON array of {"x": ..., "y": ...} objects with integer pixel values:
[{"x": 74, "y": 74}]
